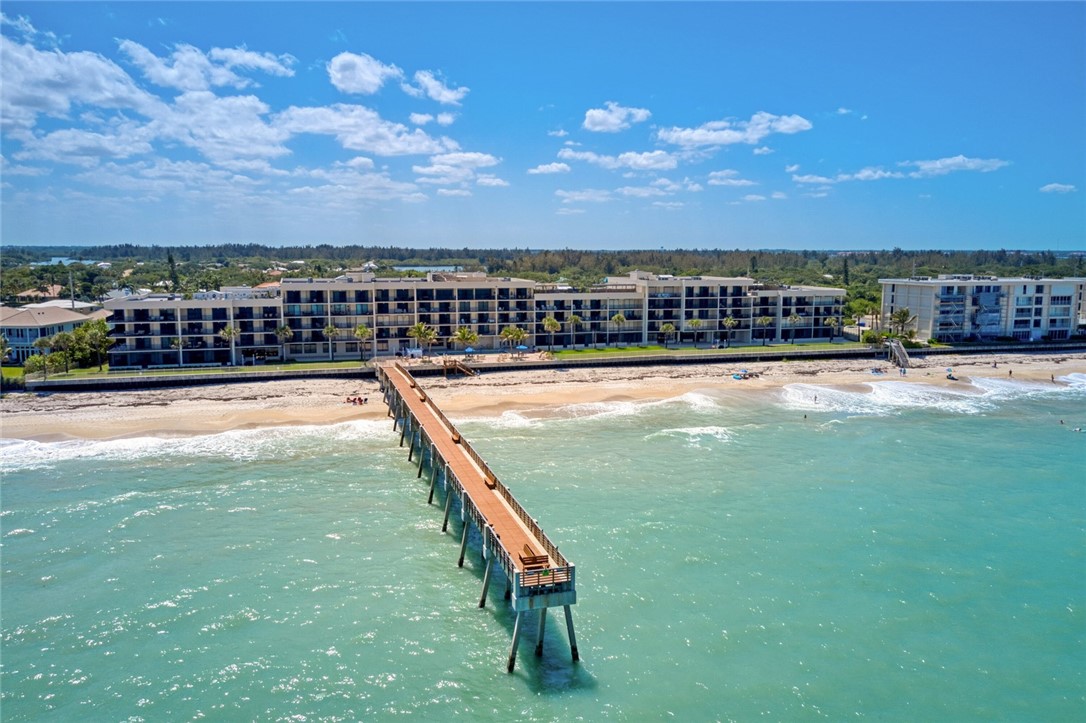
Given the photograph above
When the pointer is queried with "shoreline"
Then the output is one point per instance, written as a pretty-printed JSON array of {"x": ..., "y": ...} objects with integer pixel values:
[{"x": 213, "y": 409}]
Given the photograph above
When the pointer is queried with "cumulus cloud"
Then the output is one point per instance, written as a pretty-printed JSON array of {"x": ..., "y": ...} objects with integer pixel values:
[
  {"x": 762, "y": 151},
  {"x": 778, "y": 195},
  {"x": 453, "y": 192},
  {"x": 753, "y": 197},
  {"x": 361, "y": 129},
  {"x": 558, "y": 133},
  {"x": 587, "y": 195},
  {"x": 641, "y": 191},
  {"x": 728, "y": 132},
  {"x": 613, "y": 117},
  {"x": 486, "y": 179},
  {"x": 429, "y": 86},
  {"x": 647, "y": 161},
  {"x": 943, "y": 166},
  {"x": 457, "y": 168},
  {"x": 360, "y": 73},
  {"x": 189, "y": 68},
  {"x": 728, "y": 177},
  {"x": 792, "y": 168},
  {"x": 420, "y": 119},
  {"x": 1058, "y": 188},
  {"x": 549, "y": 168},
  {"x": 669, "y": 205}
]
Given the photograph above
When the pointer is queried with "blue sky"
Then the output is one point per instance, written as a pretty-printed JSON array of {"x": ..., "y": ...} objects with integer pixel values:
[{"x": 546, "y": 125}]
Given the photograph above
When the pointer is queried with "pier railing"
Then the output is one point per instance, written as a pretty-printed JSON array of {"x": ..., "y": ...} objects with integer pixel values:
[{"x": 529, "y": 522}]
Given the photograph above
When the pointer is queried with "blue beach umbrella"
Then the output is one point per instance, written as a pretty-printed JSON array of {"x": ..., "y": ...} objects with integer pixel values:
[
  {"x": 522, "y": 348},
  {"x": 469, "y": 350}
]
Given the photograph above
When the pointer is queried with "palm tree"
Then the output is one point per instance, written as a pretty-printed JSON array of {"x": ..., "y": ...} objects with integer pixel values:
[
  {"x": 618, "y": 320},
  {"x": 284, "y": 334},
  {"x": 422, "y": 333},
  {"x": 43, "y": 343},
  {"x": 363, "y": 333},
  {"x": 231, "y": 334},
  {"x": 764, "y": 322},
  {"x": 729, "y": 323},
  {"x": 97, "y": 335},
  {"x": 668, "y": 330},
  {"x": 574, "y": 322},
  {"x": 331, "y": 332},
  {"x": 513, "y": 336},
  {"x": 901, "y": 319},
  {"x": 179, "y": 344},
  {"x": 694, "y": 325},
  {"x": 793, "y": 320},
  {"x": 551, "y": 325},
  {"x": 833, "y": 322},
  {"x": 465, "y": 336},
  {"x": 63, "y": 342},
  {"x": 5, "y": 349}
]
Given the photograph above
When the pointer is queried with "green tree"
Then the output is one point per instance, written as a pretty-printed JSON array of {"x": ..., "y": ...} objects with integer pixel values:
[
  {"x": 764, "y": 322},
  {"x": 618, "y": 320},
  {"x": 551, "y": 326},
  {"x": 575, "y": 322},
  {"x": 668, "y": 330},
  {"x": 5, "y": 350},
  {"x": 231, "y": 334},
  {"x": 178, "y": 343},
  {"x": 513, "y": 336},
  {"x": 694, "y": 325},
  {"x": 465, "y": 336},
  {"x": 284, "y": 334},
  {"x": 96, "y": 337},
  {"x": 793, "y": 322},
  {"x": 331, "y": 333},
  {"x": 901, "y": 320},
  {"x": 363, "y": 333},
  {"x": 64, "y": 344},
  {"x": 729, "y": 323},
  {"x": 833, "y": 322},
  {"x": 423, "y": 333}
]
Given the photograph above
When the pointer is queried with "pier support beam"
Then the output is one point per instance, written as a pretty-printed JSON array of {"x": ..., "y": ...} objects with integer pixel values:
[
  {"x": 569, "y": 631},
  {"x": 516, "y": 640},
  {"x": 539, "y": 634},
  {"x": 433, "y": 478},
  {"x": 422, "y": 456},
  {"x": 463, "y": 543},
  {"x": 448, "y": 506},
  {"x": 486, "y": 582},
  {"x": 403, "y": 429}
]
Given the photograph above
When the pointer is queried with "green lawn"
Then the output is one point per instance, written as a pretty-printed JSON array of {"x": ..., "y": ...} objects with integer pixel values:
[{"x": 588, "y": 353}]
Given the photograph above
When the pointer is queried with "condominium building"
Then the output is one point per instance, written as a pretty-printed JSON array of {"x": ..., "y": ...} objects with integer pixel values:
[
  {"x": 964, "y": 307},
  {"x": 166, "y": 330}
]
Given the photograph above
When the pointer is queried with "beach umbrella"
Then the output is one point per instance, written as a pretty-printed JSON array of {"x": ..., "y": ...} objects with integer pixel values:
[
  {"x": 522, "y": 348},
  {"x": 469, "y": 350},
  {"x": 949, "y": 369}
]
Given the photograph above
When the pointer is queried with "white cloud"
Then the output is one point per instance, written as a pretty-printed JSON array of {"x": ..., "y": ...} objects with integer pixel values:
[
  {"x": 222, "y": 128},
  {"x": 434, "y": 89},
  {"x": 641, "y": 191},
  {"x": 843, "y": 111},
  {"x": 492, "y": 181},
  {"x": 244, "y": 58},
  {"x": 869, "y": 174},
  {"x": 82, "y": 147},
  {"x": 762, "y": 151},
  {"x": 753, "y": 197},
  {"x": 558, "y": 133},
  {"x": 1058, "y": 188},
  {"x": 446, "y": 119},
  {"x": 811, "y": 178},
  {"x": 648, "y": 161},
  {"x": 420, "y": 119},
  {"x": 613, "y": 118},
  {"x": 778, "y": 195},
  {"x": 453, "y": 192},
  {"x": 360, "y": 129},
  {"x": 549, "y": 168},
  {"x": 943, "y": 166},
  {"x": 792, "y": 168},
  {"x": 567, "y": 211},
  {"x": 587, "y": 195},
  {"x": 727, "y": 132},
  {"x": 360, "y": 73},
  {"x": 669, "y": 205},
  {"x": 50, "y": 82},
  {"x": 457, "y": 168},
  {"x": 189, "y": 68},
  {"x": 728, "y": 177}
]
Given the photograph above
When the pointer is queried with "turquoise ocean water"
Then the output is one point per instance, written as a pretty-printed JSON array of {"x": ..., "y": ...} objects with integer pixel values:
[{"x": 908, "y": 553}]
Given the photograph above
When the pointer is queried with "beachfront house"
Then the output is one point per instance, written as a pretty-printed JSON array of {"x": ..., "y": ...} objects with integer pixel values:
[
  {"x": 966, "y": 307},
  {"x": 620, "y": 310},
  {"x": 23, "y": 326}
]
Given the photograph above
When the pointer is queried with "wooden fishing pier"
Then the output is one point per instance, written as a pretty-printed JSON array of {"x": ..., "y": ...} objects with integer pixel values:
[{"x": 537, "y": 575}]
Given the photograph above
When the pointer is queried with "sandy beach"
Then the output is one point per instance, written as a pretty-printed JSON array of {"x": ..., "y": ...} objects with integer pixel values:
[{"x": 210, "y": 409}]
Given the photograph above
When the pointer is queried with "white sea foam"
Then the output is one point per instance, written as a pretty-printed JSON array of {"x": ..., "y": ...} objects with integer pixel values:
[
  {"x": 241, "y": 445},
  {"x": 695, "y": 435},
  {"x": 890, "y": 397}
]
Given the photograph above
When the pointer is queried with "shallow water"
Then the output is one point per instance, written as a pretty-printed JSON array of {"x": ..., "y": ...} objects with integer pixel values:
[{"x": 908, "y": 552}]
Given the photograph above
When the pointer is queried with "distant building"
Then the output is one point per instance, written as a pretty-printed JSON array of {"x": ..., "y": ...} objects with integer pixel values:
[
  {"x": 148, "y": 326},
  {"x": 964, "y": 307},
  {"x": 49, "y": 292},
  {"x": 25, "y": 325}
]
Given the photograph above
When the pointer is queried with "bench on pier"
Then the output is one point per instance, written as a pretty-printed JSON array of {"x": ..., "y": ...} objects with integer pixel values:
[
  {"x": 490, "y": 480},
  {"x": 532, "y": 561}
]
